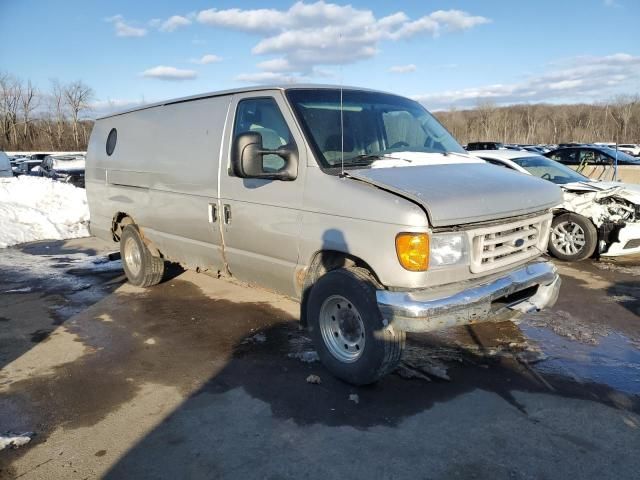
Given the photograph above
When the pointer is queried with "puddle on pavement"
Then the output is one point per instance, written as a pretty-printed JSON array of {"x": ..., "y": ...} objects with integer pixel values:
[{"x": 614, "y": 360}]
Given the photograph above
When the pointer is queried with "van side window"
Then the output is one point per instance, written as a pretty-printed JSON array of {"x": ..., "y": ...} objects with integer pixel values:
[{"x": 262, "y": 115}]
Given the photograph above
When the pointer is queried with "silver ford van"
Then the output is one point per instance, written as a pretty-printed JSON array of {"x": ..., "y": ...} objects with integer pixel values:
[{"x": 357, "y": 203}]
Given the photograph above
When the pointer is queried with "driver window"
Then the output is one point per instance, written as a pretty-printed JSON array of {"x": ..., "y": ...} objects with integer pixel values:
[{"x": 262, "y": 115}]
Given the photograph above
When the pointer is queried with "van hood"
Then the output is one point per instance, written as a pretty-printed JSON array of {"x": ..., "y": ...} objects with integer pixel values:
[{"x": 460, "y": 193}]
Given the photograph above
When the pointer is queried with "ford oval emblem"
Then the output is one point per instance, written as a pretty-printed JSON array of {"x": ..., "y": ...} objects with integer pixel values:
[{"x": 518, "y": 243}]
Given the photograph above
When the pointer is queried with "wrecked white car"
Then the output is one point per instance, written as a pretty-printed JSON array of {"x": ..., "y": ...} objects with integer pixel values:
[{"x": 595, "y": 217}]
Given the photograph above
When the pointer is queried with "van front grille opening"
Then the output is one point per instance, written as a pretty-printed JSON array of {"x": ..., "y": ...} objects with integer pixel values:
[{"x": 503, "y": 245}]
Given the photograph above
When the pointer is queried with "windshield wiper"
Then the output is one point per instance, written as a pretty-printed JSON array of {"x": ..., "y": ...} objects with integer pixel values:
[{"x": 359, "y": 159}]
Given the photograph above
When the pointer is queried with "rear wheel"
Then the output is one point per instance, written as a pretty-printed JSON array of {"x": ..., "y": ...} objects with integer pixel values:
[
  {"x": 143, "y": 269},
  {"x": 573, "y": 237},
  {"x": 348, "y": 330}
]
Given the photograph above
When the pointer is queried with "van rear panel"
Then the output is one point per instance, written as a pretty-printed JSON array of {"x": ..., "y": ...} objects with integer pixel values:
[{"x": 163, "y": 172}]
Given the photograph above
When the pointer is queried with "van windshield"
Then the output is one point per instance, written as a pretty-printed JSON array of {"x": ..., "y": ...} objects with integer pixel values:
[{"x": 375, "y": 124}]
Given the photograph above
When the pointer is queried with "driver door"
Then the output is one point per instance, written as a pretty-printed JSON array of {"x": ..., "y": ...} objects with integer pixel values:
[{"x": 261, "y": 218}]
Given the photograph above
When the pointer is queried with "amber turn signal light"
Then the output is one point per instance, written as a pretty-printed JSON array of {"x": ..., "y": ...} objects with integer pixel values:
[{"x": 413, "y": 251}]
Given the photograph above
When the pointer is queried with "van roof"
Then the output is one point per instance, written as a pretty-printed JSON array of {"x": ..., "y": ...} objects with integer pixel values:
[{"x": 261, "y": 88}]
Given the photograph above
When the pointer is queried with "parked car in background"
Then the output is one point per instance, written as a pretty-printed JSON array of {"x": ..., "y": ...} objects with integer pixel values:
[
  {"x": 381, "y": 227},
  {"x": 591, "y": 155},
  {"x": 536, "y": 149},
  {"x": 39, "y": 156},
  {"x": 26, "y": 166},
  {"x": 630, "y": 148},
  {"x": 485, "y": 145},
  {"x": 65, "y": 168},
  {"x": 570, "y": 144},
  {"x": 5, "y": 166},
  {"x": 595, "y": 217}
]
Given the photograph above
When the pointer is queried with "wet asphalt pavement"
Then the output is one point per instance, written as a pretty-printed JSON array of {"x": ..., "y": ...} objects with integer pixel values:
[{"x": 205, "y": 378}]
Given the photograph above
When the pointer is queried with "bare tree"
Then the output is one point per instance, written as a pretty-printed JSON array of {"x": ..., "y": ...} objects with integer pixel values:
[
  {"x": 77, "y": 97},
  {"x": 10, "y": 95},
  {"x": 59, "y": 113},
  {"x": 28, "y": 103}
]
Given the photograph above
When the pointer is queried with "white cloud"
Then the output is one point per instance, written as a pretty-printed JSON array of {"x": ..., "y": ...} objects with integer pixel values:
[
  {"x": 249, "y": 20},
  {"x": 308, "y": 35},
  {"x": 264, "y": 78},
  {"x": 403, "y": 68},
  {"x": 610, "y": 3},
  {"x": 277, "y": 65},
  {"x": 106, "y": 107},
  {"x": 174, "y": 22},
  {"x": 577, "y": 79},
  {"x": 206, "y": 59},
  {"x": 162, "y": 72},
  {"x": 125, "y": 30}
]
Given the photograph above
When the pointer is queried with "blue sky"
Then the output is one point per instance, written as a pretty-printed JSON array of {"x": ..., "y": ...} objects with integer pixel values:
[{"x": 455, "y": 53}]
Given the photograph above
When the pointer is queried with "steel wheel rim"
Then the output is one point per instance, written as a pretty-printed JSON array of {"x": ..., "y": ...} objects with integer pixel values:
[
  {"x": 342, "y": 329},
  {"x": 132, "y": 256},
  {"x": 568, "y": 238}
]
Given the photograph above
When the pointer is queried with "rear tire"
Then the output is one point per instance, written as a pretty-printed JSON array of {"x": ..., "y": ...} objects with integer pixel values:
[
  {"x": 348, "y": 330},
  {"x": 143, "y": 269},
  {"x": 573, "y": 237}
]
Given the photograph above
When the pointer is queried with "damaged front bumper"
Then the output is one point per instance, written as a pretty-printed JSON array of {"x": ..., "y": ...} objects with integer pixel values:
[
  {"x": 530, "y": 288},
  {"x": 628, "y": 241}
]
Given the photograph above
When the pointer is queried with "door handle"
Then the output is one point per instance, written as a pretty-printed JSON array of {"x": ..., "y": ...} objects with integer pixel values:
[
  {"x": 213, "y": 213},
  {"x": 227, "y": 214}
]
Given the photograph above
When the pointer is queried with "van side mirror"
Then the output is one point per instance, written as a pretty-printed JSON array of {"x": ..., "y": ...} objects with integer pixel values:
[{"x": 247, "y": 154}]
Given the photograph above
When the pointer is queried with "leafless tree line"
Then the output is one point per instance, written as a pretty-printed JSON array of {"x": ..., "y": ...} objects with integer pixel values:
[
  {"x": 31, "y": 119},
  {"x": 617, "y": 120}
]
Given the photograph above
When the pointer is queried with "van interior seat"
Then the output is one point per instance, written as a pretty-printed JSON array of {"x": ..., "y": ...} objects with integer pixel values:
[{"x": 333, "y": 147}]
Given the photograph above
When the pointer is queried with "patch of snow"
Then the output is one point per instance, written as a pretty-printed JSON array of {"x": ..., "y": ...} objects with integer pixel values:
[
  {"x": 14, "y": 441},
  {"x": 18, "y": 290},
  {"x": 314, "y": 380},
  {"x": 36, "y": 208},
  {"x": 257, "y": 338},
  {"x": 52, "y": 272},
  {"x": 413, "y": 159},
  {"x": 308, "y": 356}
]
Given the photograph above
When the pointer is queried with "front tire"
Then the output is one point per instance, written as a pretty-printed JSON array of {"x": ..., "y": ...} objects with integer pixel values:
[
  {"x": 573, "y": 237},
  {"x": 348, "y": 330},
  {"x": 143, "y": 269}
]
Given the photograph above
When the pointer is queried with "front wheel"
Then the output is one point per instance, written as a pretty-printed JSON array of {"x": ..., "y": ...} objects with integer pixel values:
[
  {"x": 348, "y": 330},
  {"x": 573, "y": 237}
]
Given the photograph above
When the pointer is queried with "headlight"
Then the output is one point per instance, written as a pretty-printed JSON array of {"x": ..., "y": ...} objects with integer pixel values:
[{"x": 448, "y": 249}]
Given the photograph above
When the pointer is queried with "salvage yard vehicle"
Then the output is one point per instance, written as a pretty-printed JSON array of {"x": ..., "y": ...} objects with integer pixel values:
[
  {"x": 484, "y": 146},
  {"x": 27, "y": 166},
  {"x": 64, "y": 168},
  {"x": 5, "y": 166},
  {"x": 630, "y": 148},
  {"x": 595, "y": 217},
  {"x": 357, "y": 203},
  {"x": 591, "y": 155}
]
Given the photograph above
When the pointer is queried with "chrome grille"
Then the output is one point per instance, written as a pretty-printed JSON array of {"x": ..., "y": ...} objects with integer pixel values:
[{"x": 501, "y": 245}]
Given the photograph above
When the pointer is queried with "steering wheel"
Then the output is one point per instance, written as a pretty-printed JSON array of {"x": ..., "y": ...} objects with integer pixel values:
[
  {"x": 546, "y": 176},
  {"x": 399, "y": 144}
]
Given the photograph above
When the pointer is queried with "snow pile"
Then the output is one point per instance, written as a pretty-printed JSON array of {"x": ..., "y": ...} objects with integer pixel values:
[
  {"x": 35, "y": 208},
  {"x": 14, "y": 441}
]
